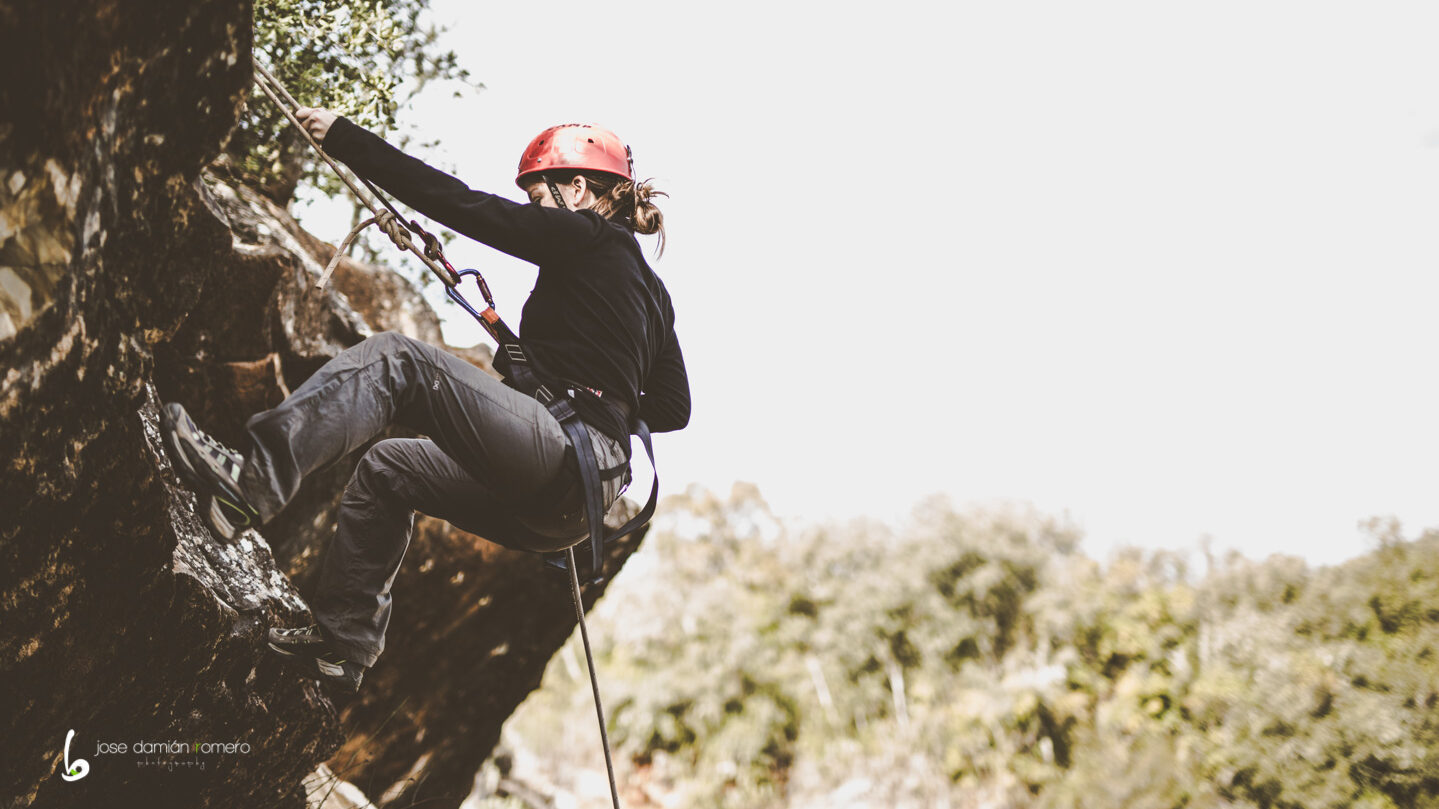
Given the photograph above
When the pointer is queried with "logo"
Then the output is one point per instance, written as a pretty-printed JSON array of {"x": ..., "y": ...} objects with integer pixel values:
[{"x": 77, "y": 770}]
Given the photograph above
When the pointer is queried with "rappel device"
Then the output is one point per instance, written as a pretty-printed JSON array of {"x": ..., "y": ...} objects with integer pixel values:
[{"x": 560, "y": 148}]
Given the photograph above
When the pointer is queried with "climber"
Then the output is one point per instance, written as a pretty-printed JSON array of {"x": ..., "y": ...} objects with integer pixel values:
[{"x": 598, "y": 324}]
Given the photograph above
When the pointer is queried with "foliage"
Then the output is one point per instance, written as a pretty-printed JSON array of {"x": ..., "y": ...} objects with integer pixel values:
[
  {"x": 363, "y": 58},
  {"x": 977, "y": 659}
]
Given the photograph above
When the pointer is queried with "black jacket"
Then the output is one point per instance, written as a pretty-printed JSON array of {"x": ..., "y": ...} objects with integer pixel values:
[{"x": 598, "y": 314}]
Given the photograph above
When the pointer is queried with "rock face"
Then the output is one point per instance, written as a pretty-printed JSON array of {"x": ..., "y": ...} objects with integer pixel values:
[{"x": 127, "y": 278}]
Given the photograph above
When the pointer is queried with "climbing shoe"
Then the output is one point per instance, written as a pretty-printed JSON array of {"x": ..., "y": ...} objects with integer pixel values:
[
  {"x": 310, "y": 650},
  {"x": 212, "y": 470}
]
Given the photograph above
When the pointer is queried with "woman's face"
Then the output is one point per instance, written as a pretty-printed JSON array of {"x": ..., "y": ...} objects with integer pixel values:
[{"x": 575, "y": 193}]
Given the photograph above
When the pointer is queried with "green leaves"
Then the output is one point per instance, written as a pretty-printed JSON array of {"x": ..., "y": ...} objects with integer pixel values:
[
  {"x": 364, "y": 60},
  {"x": 977, "y": 657}
]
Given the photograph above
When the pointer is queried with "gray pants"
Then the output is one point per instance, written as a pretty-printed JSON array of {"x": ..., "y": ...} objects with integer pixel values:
[{"x": 489, "y": 447}]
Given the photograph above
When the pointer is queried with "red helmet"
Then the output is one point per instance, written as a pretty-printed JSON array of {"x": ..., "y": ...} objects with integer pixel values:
[{"x": 571, "y": 147}]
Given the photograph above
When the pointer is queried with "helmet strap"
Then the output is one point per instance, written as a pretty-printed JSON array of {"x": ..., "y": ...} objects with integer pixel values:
[{"x": 554, "y": 191}]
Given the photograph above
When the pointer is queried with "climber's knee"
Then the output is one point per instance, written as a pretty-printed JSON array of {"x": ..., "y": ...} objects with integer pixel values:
[
  {"x": 380, "y": 471},
  {"x": 393, "y": 342}
]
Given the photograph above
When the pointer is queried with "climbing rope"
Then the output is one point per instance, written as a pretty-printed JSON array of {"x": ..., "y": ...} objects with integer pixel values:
[
  {"x": 398, "y": 229},
  {"x": 594, "y": 680}
]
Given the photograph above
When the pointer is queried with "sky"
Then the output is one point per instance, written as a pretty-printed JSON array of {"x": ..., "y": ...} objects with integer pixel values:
[{"x": 1164, "y": 270}]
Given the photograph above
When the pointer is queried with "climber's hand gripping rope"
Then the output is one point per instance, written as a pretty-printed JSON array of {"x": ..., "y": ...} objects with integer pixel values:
[{"x": 316, "y": 121}]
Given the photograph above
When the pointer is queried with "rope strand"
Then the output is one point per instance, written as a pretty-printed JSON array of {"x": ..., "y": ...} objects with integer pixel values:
[{"x": 594, "y": 680}]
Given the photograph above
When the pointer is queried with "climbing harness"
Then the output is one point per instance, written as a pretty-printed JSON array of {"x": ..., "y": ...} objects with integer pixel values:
[{"x": 511, "y": 359}]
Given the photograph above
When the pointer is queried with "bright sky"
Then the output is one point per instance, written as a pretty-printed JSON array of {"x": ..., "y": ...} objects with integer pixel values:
[{"x": 1168, "y": 269}]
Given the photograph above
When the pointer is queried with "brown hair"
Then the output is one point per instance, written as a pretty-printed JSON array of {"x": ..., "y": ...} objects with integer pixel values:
[{"x": 628, "y": 202}]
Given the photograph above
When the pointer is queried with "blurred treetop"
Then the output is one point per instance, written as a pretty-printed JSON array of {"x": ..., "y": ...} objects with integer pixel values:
[{"x": 980, "y": 659}]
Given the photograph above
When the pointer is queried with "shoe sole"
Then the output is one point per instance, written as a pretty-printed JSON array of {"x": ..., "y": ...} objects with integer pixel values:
[
  {"x": 219, "y": 522},
  {"x": 334, "y": 680},
  {"x": 341, "y": 686},
  {"x": 288, "y": 653}
]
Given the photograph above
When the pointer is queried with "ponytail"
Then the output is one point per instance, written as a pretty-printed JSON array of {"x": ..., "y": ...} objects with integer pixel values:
[{"x": 629, "y": 202}]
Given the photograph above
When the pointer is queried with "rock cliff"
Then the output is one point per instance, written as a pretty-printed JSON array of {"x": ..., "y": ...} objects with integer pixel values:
[{"x": 128, "y": 277}]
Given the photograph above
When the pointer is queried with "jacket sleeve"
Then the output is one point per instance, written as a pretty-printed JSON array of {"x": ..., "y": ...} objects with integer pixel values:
[
  {"x": 529, "y": 232},
  {"x": 665, "y": 401}
]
